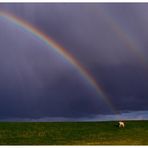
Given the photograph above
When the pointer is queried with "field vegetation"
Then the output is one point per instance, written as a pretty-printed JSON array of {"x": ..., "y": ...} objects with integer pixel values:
[{"x": 73, "y": 133}]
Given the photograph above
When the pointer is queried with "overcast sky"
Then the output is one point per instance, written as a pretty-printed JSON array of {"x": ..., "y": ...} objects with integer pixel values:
[{"x": 109, "y": 40}]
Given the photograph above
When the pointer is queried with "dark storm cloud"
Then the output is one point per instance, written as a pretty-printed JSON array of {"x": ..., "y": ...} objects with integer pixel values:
[
  {"x": 36, "y": 82},
  {"x": 126, "y": 85}
]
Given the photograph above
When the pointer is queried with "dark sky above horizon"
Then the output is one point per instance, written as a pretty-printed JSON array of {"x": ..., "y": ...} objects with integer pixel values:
[{"x": 110, "y": 40}]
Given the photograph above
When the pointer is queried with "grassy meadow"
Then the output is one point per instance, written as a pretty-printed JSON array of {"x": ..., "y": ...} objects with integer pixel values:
[{"x": 73, "y": 133}]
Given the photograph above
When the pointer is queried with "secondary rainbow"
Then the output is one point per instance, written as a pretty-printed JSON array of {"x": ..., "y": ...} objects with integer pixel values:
[
  {"x": 63, "y": 52},
  {"x": 125, "y": 36}
]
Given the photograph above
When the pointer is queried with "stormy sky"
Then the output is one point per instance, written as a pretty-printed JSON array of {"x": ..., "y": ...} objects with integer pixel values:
[{"x": 109, "y": 40}]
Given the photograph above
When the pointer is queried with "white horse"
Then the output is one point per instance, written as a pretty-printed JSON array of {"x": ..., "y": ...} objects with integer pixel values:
[{"x": 121, "y": 124}]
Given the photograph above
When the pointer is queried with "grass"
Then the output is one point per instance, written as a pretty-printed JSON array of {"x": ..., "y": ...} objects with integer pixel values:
[{"x": 73, "y": 133}]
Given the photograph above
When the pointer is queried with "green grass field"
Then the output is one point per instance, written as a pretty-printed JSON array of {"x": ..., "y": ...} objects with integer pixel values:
[{"x": 73, "y": 133}]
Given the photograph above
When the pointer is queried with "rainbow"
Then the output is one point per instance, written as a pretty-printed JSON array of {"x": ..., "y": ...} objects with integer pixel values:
[
  {"x": 63, "y": 52},
  {"x": 123, "y": 34}
]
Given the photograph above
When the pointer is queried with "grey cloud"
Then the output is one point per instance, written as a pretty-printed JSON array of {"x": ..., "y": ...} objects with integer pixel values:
[{"x": 131, "y": 115}]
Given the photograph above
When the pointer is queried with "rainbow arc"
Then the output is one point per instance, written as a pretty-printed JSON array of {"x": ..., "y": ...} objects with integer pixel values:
[{"x": 63, "y": 52}]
